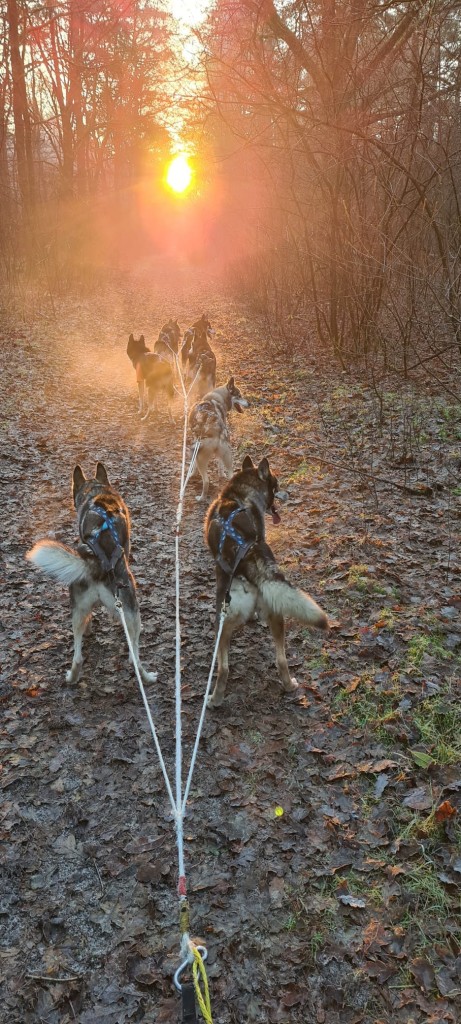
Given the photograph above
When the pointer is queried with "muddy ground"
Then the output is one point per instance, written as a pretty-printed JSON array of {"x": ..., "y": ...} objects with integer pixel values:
[{"x": 343, "y": 909}]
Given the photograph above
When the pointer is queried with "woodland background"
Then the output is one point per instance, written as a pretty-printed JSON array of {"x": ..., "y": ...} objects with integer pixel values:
[
  {"x": 327, "y": 143},
  {"x": 322, "y": 236}
]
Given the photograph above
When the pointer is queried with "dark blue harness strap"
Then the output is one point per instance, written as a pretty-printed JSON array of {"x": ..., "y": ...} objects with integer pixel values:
[
  {"x": 243, "y": 546},
  {"x": 93, "y": 540}
]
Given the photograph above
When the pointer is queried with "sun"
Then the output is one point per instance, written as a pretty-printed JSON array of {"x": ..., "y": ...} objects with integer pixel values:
[{"x": 179, "y": 174}]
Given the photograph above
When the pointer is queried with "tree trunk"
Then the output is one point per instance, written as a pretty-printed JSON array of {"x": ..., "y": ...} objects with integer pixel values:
[{"x": 22, "y": 127}]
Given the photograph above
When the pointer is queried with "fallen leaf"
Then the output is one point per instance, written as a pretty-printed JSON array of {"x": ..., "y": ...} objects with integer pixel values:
[
  {"x": 445, "y": 811},
  {"x": 422, "y": 759},
  {"x": 423, "y": 971},
  {"x": 419, "y": 799},
  {"x": 352, "y": 901}
]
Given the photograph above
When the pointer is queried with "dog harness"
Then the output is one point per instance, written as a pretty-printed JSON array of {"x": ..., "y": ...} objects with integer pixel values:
[
  {"x": 243, "y": 546},
  {"x": 208, "y": 407},
  {"x": 93, "y": 540}
]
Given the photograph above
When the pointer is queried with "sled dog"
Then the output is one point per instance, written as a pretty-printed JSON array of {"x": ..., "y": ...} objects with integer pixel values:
[
  {"x": 153, "y": 374},
  {"x": 196, "y": 345},
  {"x": 246, "y": 569},
  {"x": 167, "y": 344},
  {"x": 208, "y": 422},
  {"x": 204, "y": 373},
  {"x": 97, "y": 572}
]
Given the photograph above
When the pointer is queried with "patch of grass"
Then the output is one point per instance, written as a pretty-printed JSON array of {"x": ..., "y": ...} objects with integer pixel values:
[
  {"x": 450, "y": 413},
  {"x": 438, "y": 721},
  {"x": 383, "y": 589},
  {"x": 427, "y": 892},
  {"x": 303, "y": 472},
  {"x": 358, "y": 577},
  {"x": 361, "y": 885},
  {"x": 254, "y": 737},
  {"x": 304, "y": 914},
  {"x": 368, "y": 707},
  {"x": 386, "y": 617},
  {"x": 425, "y": 643},
  {"x": 319, "y": 661},
  {"x": 345, "y": 392},
  {"x": 316, "y": 941}
]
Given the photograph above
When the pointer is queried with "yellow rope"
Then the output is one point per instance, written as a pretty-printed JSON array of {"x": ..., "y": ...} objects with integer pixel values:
[
  {"x": 184, "y": 917},
  {"x": 199, "y": 972}
]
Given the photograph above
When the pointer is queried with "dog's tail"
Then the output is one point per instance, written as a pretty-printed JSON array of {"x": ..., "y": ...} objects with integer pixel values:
[
  {"x": 60, "y": 562},
  {"x": 284, "y": 599}
]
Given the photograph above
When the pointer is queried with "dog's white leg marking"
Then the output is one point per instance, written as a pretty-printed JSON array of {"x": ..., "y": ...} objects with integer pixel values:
[
  {"x": 80, "y": 617},
  {"x": 203, "y": 459},
  {"x": 277, "y": 628},
  {"x": 150, "y": 405},
  {"x": 226, "y": 459},
  {"x": 133, "y": 623}
]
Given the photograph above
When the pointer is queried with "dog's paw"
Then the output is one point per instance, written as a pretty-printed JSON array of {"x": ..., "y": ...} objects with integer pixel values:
[
  {"x": 291, "y": 686},
  {"x": 73, "y": 675},
  {"x": 150, "y": 677},
  {"x": 215, "y": 700}
]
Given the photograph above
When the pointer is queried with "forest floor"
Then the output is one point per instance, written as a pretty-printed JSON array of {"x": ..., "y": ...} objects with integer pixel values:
[{"x": 343, "y": 909}]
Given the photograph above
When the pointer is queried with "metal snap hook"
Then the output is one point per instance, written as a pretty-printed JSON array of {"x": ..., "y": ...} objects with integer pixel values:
[{"x": 203, "y": 953}]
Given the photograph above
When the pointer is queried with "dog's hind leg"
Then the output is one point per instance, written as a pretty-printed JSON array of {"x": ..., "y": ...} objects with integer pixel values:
[
  {"x": 240, "y": 609},
  {"x": 133, "y": 624},
  {"x": 229, "y": 627},
  {"x": 141, "y": 396},
  {"x": 82, "y": 605},
  {"x": 150, "y": 404},
  {"x": 203, "y": 459},
  {"x": 225, "y": 458},
  {"x": 170, "y": 400},
  {"x": 277, "y": 627}
]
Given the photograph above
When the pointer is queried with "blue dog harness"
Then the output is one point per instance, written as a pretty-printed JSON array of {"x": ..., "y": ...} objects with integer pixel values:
[
  {"x": 243, "y": 546},
  {"x": 93, "y": 540}
]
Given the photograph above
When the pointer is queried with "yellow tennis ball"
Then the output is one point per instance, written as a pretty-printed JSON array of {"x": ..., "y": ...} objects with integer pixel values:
[{"x": 278, "y": 812}]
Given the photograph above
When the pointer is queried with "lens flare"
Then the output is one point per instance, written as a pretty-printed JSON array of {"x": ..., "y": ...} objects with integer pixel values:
[{"x": 179, "y": 174}]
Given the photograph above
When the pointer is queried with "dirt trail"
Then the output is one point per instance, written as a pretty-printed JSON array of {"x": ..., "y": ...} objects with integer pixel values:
[{"x": 89, "y": 929}]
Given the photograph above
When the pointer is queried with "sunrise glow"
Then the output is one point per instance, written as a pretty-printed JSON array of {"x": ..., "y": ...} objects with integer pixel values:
[{"x": 179, "y": 174}]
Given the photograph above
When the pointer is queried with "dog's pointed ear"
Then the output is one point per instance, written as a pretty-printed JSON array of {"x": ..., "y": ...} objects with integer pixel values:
[
  {"x": 78, "y": 479},
  {"x": 131, "y": 338},
  {"x": 263, "y": 470},
  {"x": 142, "y": 339},
  {"x": 230, "y": 384},
  {"x": 247, "y": 462},
  {"x": 101, "y": 474}
]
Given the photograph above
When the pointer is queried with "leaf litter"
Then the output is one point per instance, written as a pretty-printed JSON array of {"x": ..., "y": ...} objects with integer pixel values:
[{"x": 345, "y": 908}]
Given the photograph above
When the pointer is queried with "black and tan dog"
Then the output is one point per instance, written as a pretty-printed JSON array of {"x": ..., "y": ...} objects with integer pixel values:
[
  {"x": 246, "y": 569},
  {"x": 98, "y": 571},
  {"x": 208, "y": 423},
  {"x": 197, "y": 356},
  {"x": 167, "y": 344},
  {"x": 154, "y": 375}
]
